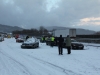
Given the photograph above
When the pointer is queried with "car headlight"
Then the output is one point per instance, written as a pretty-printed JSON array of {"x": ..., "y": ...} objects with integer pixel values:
[{"x": 74, "y": 45}]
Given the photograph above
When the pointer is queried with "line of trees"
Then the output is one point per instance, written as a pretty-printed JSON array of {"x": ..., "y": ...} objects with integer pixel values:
[{"x": 33, "y": 32}]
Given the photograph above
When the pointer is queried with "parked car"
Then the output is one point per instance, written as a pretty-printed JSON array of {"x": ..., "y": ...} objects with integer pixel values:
[
  {"x": 42, "y": 40},
  {"x": 75, "y": 44},
  {"x": 20, "y": 40},
  {"x": 1, "y": 38},
  {"x": 30, "y": 43},
  {"x": 48, "y": 42}
]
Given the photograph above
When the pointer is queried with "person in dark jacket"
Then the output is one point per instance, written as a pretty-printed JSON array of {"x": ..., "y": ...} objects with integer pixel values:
[
  {"x": 56, "y": 41},
  {"x": 60, "y": 44},
  {"x": 27, "y": 37},
  {"x": 52, "y": 41},
  {"x": 68, "y": 44}
]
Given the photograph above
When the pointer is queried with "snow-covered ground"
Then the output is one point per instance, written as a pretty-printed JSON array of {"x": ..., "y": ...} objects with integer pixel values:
[{"x": 46, "y": 61}]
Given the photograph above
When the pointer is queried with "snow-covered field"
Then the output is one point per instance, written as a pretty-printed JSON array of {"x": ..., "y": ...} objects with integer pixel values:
[{"x": 46, "y": 61}]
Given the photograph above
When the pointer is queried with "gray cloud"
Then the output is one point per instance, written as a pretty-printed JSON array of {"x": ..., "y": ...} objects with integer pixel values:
[{"x": 33, "y": 13}]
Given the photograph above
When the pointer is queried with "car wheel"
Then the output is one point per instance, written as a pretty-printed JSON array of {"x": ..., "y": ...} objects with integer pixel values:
[
  {"x": 72, "y": 47},
  {"x": 37, "y": 46},
  {"x": 46, "y": 43},
  {"x": 82, "y": 48},
  {"x": 21, "y": 47}
]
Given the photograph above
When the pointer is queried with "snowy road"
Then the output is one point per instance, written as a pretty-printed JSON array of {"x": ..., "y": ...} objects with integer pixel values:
[{"x": 46, "y": 61}]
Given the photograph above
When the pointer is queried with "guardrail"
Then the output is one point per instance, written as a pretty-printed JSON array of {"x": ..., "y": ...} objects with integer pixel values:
[{"x": 88, "y": 40}]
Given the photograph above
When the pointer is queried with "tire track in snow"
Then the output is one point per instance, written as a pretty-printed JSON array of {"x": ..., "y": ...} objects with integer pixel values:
[
  {"x": 22, "y": 67},
  {"x": 67, "y": 72},
  {"x": 92, "y": 66},
  {"x": 89, "y": 66}
]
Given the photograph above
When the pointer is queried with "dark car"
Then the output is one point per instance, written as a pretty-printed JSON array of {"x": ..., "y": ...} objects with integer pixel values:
[
  {"x": 43, "y": 39},
  {"x": 30, "y": 43},
  {"x": 48, "y": 42},
  {"x": 75, "y": 44}
]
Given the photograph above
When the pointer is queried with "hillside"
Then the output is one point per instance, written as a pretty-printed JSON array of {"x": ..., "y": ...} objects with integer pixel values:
[
  {"x": 98, "y": 33},
  {"x": 50, "y": 28},
  {"x": 6, "y": 28}
]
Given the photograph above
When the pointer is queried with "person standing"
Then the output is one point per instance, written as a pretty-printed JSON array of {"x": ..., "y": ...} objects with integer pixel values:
[
  {"x": 68, "y": 44},
  {"x": 52, "y": 41},
  {"x": 56, "y": 41},
  {"x": 27, "y": 37},
  {"x": 60, "y": 45}
]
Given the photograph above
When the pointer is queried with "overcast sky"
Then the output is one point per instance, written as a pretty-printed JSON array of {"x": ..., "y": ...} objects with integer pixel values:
[{"x": 34, "y": 13}]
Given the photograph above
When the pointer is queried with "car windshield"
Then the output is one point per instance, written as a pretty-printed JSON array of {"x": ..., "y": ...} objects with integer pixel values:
[
  {"x": 30, "y": 40},
  {"x": 22, "y": 37},
  {"x": 73, "y": 40}
]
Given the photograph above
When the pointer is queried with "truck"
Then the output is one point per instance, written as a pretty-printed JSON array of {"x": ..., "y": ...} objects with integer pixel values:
[{"x": 65, "y": 32}]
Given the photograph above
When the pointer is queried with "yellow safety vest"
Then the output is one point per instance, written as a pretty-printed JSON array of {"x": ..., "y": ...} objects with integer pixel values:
[{"x": 52, "y": 39}]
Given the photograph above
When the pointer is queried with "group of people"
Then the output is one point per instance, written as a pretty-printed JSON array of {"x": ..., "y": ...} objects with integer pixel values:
[
  {"x": 60, "y": 44},
  {"x": 59, "y": 41}
]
